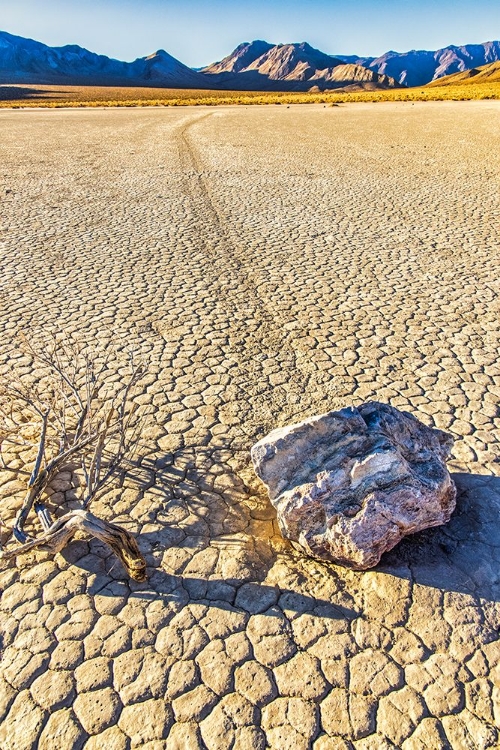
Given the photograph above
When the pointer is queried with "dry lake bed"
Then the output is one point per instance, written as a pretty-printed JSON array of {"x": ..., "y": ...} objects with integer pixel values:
[{"x": 268, "y": 263}]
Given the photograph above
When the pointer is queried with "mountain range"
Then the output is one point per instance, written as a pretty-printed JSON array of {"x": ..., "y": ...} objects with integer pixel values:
[
  {"x": 26, "y": 61},
  {"x": 418, "y": 67},
  {"x": 256, "y": 65}
]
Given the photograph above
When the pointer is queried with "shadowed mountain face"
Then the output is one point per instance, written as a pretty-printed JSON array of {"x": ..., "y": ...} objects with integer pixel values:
[
  {"x": 21, "y": 59},
  {"x": 166, "y": 70},
  {"x": 418, "y": 67},
  {"x": 25, "y": 60}
]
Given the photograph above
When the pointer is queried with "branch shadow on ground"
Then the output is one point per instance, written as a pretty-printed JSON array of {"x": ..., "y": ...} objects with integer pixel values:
[{"x": 187, "y": 517}]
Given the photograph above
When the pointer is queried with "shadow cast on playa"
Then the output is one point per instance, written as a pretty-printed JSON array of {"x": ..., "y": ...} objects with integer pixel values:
[
  {"x": 250, "y": 597},
  {"x": 463, "y": 555},
  {"x": 18, "y": 93}
]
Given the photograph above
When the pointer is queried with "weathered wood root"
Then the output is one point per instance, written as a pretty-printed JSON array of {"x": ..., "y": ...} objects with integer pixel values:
[{"x": 63, "y": 530}]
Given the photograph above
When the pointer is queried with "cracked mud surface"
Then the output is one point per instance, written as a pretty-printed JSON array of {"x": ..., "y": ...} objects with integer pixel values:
[{"x": 269, "y": 263}]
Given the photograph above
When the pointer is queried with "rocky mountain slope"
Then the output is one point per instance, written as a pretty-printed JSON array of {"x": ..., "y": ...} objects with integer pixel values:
[
  {"x": 418, "y": 67},
  {"x": 295, "y": 67},
  {"x": 348, "y": 76},
  {"x": 485, "y": 74},
  {"x": 244, "y": 54},
  {"x": 294, "y": 62}
]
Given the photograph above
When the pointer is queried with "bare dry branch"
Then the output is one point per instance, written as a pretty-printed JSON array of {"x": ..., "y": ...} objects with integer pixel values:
[
  {"x": 41, "y": 450},
  {"x": 55, "y": 538},
  {"x": 79, "y": 421}
]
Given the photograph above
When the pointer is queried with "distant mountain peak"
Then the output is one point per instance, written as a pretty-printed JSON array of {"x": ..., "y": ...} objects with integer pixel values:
[
  {"x": 242, "y": 56},
  {"x": 297, "y": 62},
  {"x": 257, "y": 43},
  {"x": 159, "y": 53}
]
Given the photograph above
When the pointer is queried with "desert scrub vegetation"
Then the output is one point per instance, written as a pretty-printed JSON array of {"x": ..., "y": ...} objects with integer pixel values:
[
  {"x": 65, "y": 415},
  {"x": 74, "y": 96}
]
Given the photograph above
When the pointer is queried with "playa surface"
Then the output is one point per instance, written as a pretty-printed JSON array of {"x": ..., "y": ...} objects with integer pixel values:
[{"x": 268, "y": 263}]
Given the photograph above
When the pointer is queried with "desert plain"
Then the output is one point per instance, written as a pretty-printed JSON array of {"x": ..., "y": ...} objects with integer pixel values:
[{"x": 267, "y": 263}]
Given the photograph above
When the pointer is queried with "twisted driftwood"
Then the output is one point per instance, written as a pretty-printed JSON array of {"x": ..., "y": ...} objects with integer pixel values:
[
  {"x": 78, "y": 420},
  {"x": 57, "y": 536}
]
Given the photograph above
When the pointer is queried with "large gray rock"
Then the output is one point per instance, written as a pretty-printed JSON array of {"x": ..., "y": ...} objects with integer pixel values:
[{"x": 350, "y": 484}]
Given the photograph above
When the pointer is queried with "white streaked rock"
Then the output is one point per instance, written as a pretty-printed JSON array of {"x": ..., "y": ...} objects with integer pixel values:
[{"x": 350, "y": 484}]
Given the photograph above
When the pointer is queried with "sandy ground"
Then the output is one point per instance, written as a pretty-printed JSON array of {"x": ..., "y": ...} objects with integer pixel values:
[{"x": 269, "y": 263}]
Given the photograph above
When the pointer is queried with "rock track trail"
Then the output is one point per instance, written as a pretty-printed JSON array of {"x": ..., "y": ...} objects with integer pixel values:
[
  {"x": 257, "y": 335},
  {"x": 267, "y": 263}
]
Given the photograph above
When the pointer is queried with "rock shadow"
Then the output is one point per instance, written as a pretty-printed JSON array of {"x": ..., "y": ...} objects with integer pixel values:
[
  {"x": 250, "y": 597},
  {"x": 464, "y": 554}
]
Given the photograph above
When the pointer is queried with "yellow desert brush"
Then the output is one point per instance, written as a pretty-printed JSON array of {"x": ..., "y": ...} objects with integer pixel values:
[{"x": 73, "y": 96}]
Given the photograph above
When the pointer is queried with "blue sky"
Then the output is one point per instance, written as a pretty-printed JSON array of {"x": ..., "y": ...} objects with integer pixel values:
[{"x": 199, "y": 32}]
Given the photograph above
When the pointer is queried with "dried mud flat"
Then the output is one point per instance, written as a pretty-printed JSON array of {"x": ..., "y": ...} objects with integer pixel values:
[{"x": 269, "y": 263}]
